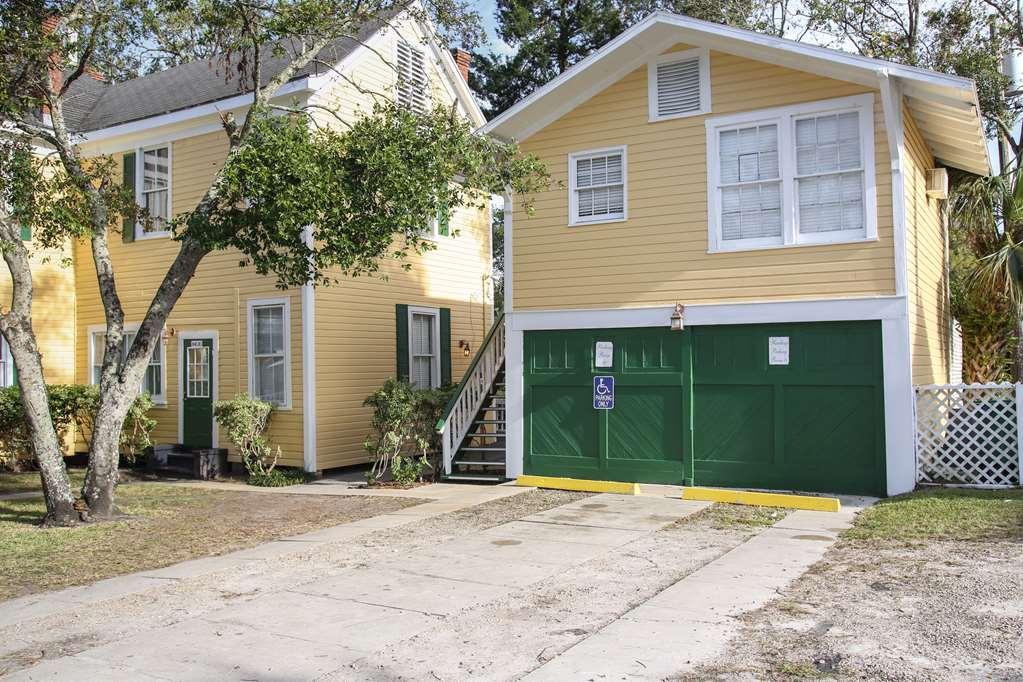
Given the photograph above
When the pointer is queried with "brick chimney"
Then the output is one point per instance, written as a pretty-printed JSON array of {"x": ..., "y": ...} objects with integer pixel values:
[{"x": 463, "y": 59}]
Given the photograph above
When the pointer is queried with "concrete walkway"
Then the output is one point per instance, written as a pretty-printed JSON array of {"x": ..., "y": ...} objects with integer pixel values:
[
  {"x": 692, "y": 621},
  {"x": 334, "y": 624}
]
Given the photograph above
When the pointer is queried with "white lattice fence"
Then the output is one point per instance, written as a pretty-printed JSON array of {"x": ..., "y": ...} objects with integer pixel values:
[{"x": 969, "y": 434}]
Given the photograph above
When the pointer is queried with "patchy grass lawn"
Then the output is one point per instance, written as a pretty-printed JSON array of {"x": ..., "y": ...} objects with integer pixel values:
[
  {"x": 28, "y": 481},
  {"x": 923, "y": 586},
  {"x": 167, "y": 524},
  {"x": 726, "y": 516},
  {"x": 943, "y": 514}
]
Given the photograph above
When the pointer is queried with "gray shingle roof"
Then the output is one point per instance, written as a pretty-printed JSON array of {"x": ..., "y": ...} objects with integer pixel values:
[{"x": 93, "y": 105}]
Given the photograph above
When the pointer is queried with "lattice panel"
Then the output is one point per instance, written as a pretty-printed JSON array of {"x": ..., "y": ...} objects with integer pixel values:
[{"x": 967, "y": 434}]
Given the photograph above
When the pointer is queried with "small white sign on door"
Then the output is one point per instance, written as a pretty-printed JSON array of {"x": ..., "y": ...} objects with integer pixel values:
[
  {"x": 605, "y": 354},
  {"x": 778, "y": 350}
]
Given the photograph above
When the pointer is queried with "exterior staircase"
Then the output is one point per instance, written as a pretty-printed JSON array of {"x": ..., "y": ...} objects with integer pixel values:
[{"x": 472, "y": 426}]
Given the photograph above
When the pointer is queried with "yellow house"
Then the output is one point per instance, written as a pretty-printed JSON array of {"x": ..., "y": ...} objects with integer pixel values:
[
  {"x": 742, "y": 269},
  {"x": 315, "y": 352}
]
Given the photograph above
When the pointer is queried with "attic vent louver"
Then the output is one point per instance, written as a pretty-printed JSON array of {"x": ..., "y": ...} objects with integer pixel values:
[{"x": 678, "y": 88}]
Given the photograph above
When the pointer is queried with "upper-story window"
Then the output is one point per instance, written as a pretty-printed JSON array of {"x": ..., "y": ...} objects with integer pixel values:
[
  {"x": 411, "y": 85},
  {"x": 597, "y": 186},
  {"x": 792, "y": 176},
  {"x": 679, "y": 84},
  {"x": 153, "y": 190}
]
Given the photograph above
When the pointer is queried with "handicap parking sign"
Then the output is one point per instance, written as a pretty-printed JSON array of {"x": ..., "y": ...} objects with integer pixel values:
[{"x": 603, "y": 393}]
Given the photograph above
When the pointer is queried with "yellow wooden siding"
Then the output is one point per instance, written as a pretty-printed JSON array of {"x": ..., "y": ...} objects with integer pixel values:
[
  {"x": 659, "y": 254},
  {"x": 355, "y": 330},
  {"x": 215, "y": 300},
  {"x": 929, "y": 321},
  {"x": 355, "y": 319}
]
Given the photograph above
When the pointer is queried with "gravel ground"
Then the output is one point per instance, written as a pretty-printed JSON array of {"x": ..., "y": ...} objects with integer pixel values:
[
  {"x": 890, "y": 611},
  {"x": 514, "y": 634},
  {"x": 77, "y": 629}
]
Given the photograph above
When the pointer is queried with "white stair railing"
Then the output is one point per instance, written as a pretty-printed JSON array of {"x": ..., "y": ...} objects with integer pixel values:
[{"x": 461, "y": 410}]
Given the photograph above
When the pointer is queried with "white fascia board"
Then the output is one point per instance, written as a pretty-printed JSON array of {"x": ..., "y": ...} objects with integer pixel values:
[
  {"x": 181, "y": 119},
  {"x": 702, "y": 314}
]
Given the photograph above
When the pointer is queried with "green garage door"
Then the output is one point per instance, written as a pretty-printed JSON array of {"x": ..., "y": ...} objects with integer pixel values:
[
  {"x": 794, "y": 406},
  {"x": 640, "y": 439}
]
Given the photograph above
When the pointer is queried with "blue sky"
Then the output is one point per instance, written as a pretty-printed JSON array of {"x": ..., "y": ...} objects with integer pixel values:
[{"x": 486, "y": 8}]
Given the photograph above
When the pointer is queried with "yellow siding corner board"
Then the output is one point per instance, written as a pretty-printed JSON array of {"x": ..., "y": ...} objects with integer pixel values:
[
  {"x": 783, "y": 500},
  {"x": 578, "y": 484}
]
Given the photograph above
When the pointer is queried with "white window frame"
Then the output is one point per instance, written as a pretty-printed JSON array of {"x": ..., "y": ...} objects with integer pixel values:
[
  {"x": 251, "y": 305},
  {"x": 435, "y": 365},
  {"x": 785, "y": 119},
  {"x": 140, "y": 233},
  {"x": 573, "y": 199},
  {"x": 7, "y": 377},
  {"x": 703, "y": 54},
  {"x": 131, "y": 328},
  {"x": 426, "y": 95}
]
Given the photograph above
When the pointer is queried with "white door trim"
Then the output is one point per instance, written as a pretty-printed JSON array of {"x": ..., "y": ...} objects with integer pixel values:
[{"x": 214, "y": 336}]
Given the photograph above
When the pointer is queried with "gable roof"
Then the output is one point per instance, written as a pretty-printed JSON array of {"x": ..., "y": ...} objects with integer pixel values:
[
  {"x": 91, "y": 105},
  {"x": 945, "y": 107}
]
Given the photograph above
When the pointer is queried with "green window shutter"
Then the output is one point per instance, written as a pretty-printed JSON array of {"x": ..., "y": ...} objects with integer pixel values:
[
  {"x": 401, "y": 329},
  {"x": 128, "y": 179},
  {"x": 26, "y": 233},
  {"x": 443, "y": 221},
  {"x": 445, "y": 346}
]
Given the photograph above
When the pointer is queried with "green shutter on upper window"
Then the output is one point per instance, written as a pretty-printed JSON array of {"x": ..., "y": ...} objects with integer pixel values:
[
  {"x": 26, "y": 233},
  {"x": 401, "y": 333},
  {"x": 445, "y": 346},
  {"x": 128, "y": 179},
  {"x": 443, "y": 221}
]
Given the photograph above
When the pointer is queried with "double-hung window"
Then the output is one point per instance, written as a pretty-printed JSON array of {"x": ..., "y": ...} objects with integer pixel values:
[
  {"x": 153, "y": 190},
  {"x": 411, "y": 72},
  {"x": 597, "y": 186},
  {"x": 792, "y": 176},
  {"x": 154, "y": 380},
  {"x": 424, "y": 347},
  {"x": 269, "y": 361}
]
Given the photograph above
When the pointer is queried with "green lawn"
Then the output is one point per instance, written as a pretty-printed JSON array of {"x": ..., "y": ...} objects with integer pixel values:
[
  {"x": 29, "y": 482},
  {"x": 943, "y": 514}
]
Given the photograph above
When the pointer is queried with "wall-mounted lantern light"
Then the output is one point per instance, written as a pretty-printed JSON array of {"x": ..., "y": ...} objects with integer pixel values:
[
  {"x": 466, "y": 348},
  {"x": 676, "y": 318}
]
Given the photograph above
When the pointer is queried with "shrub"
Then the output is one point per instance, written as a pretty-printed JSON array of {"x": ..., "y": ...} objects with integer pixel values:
[
  {"x": 71, "y": 406},
  {"x": 245, "y": 420},
  {"x": 278, "y": 478},
  {"x": 404, "y": 420},
  {"x": 408, "y": 471}
]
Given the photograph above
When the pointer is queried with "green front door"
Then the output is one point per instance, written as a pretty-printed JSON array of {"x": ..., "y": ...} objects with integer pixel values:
[
  {"x": 639, "y": 439},
  {"x": 197, "y": 393}
]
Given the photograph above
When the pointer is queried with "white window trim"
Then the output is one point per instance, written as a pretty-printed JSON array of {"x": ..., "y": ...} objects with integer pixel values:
[
  {"x": 435, "y": 367},
  {"x": 130, "y": 328},
  {"x": 8, "y": 360},
  {"x": 141, "y": 234},
  {"x": 183, "y": 378},
  {"x": 258, "y": 303},
  {"x": 705, "y": 106},
  {"x": 785, "y": 117},
  {"x": 573, "y": 202}
]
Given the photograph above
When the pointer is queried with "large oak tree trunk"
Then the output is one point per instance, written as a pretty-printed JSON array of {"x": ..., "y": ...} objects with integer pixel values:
[
  {"x": 101, "y": 477},
  {"x": 21, "y": 339}
]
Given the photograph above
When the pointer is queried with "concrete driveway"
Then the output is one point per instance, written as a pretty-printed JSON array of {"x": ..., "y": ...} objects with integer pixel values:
[{"x": 618, "y": 586}]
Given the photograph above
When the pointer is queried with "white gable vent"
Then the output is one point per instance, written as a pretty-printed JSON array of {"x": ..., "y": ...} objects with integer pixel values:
[{"x": 679, "y": 85}]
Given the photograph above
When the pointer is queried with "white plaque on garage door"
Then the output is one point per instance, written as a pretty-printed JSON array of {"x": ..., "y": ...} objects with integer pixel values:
[
  {"x": 605, "y": 354},
  {"x": 778, "y": 350}
]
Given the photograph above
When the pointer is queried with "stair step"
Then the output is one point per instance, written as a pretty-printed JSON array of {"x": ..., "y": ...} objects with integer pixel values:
[
  {"x": 489, "y": 478},
  {"x": 496, "y": 434},
  {"x": 482, "y": 449},
  {"x": 469, "y": 462},
  {"x": 489, "y": 421}
]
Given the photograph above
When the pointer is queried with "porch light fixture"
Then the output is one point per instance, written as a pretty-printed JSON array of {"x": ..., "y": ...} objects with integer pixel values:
[
  {"x": 466, "y": 349},
  {"x": 676, "y": 318}
]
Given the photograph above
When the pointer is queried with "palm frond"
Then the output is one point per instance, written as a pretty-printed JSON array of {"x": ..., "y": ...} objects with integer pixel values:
[{"x": 1001, "y": 271}]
